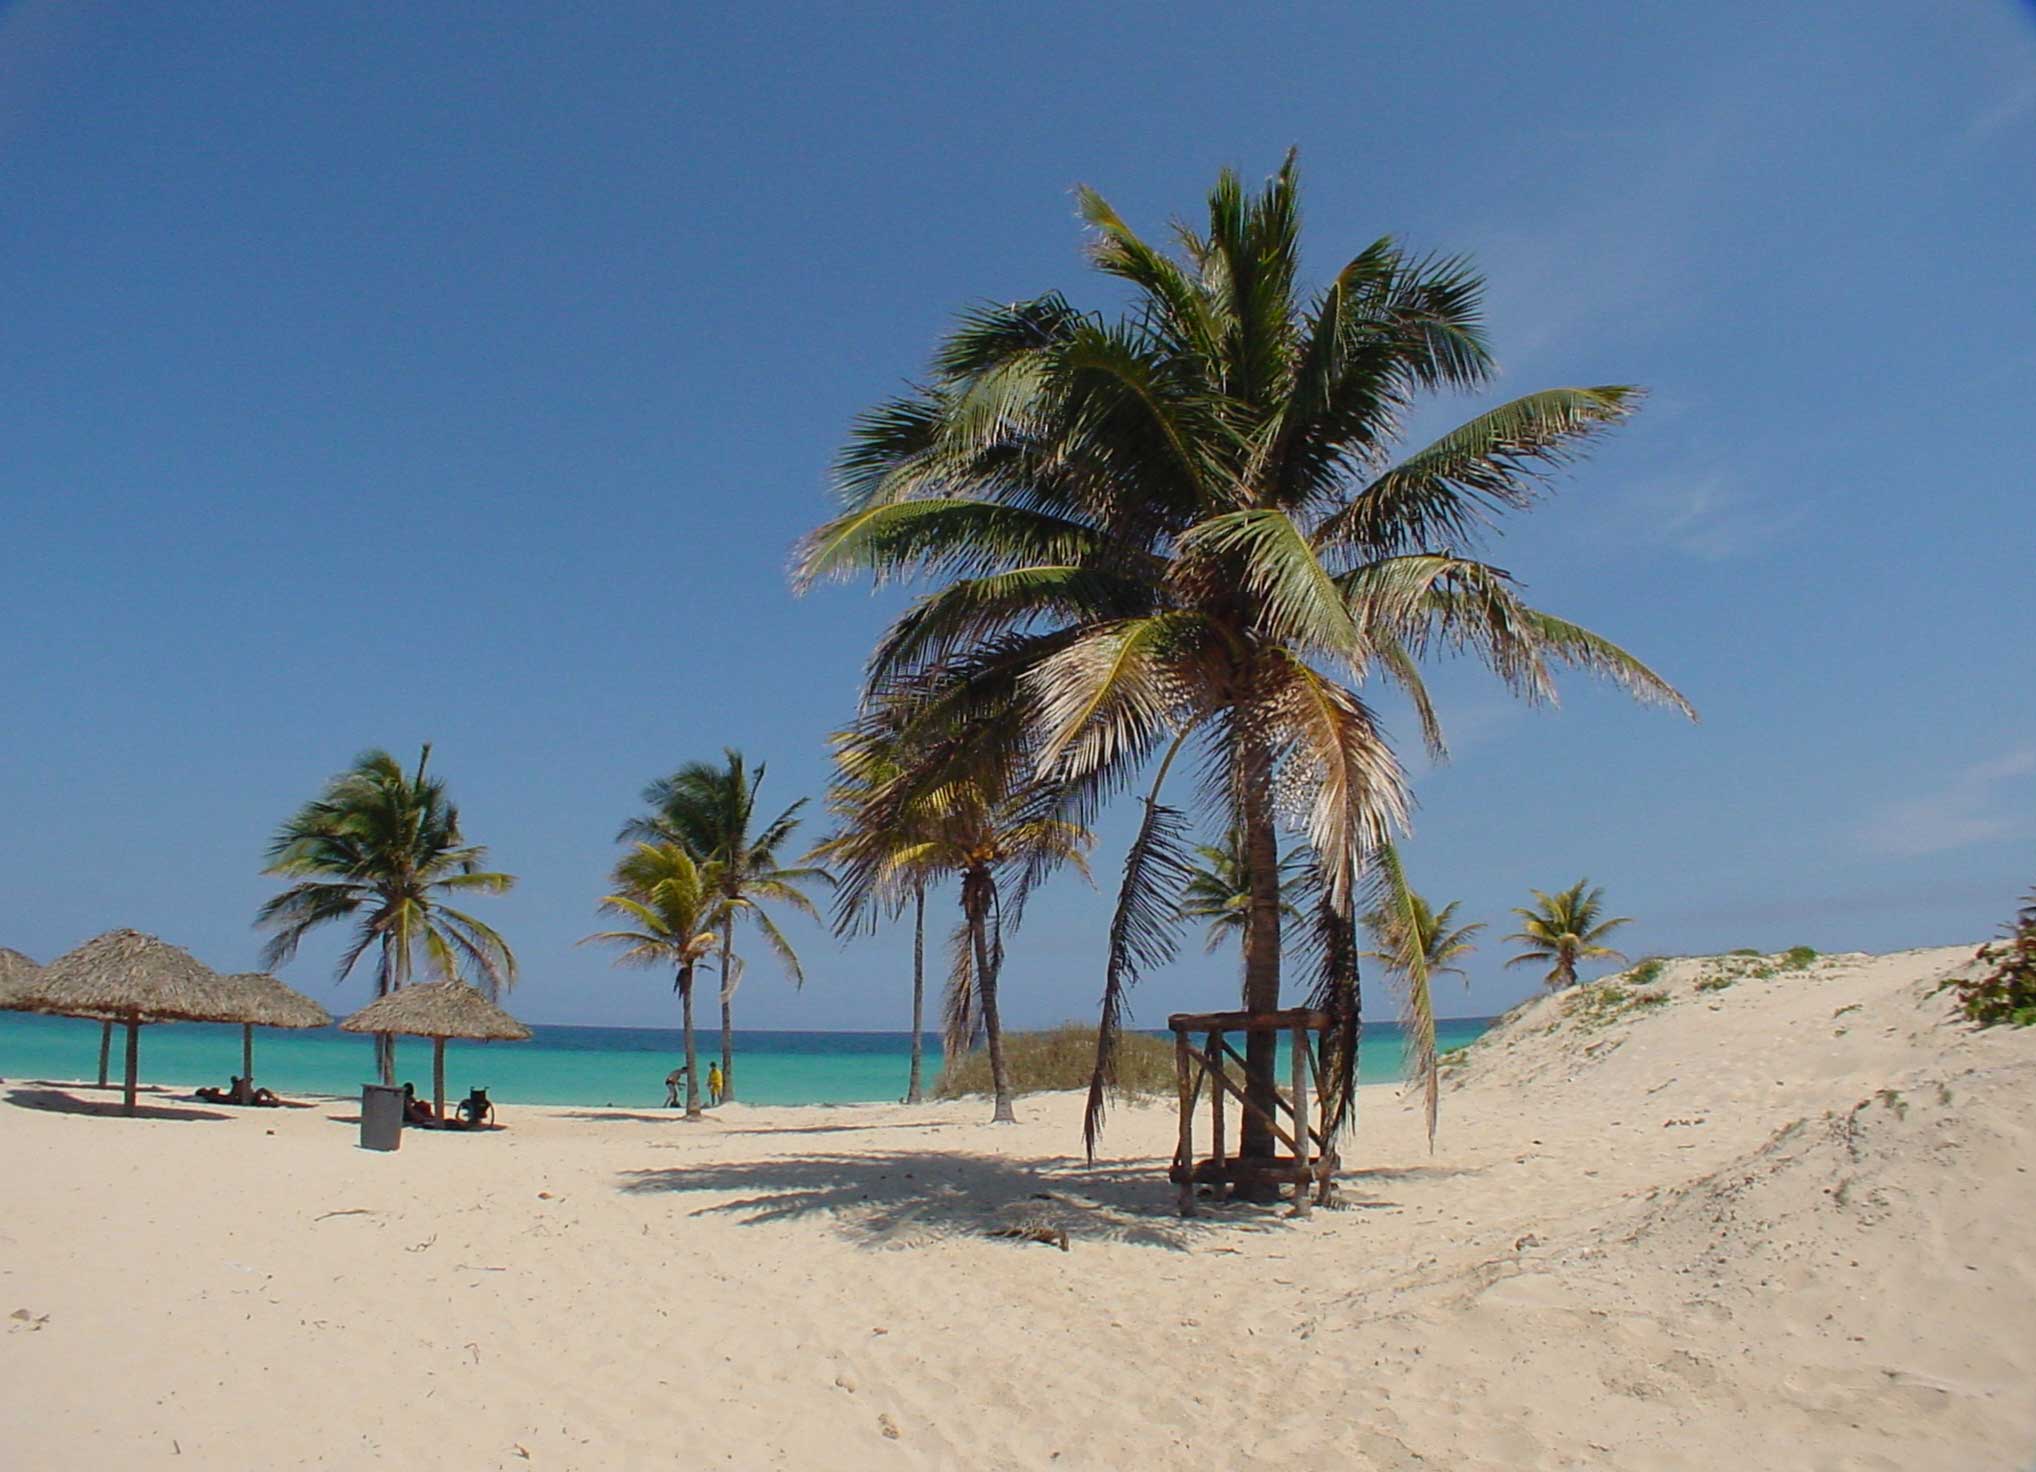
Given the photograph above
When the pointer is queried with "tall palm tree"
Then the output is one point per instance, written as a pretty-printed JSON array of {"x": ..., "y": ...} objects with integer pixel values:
[
  {"x": 383, "y": 849},
  {"x": 710, "y": 811},
  {"x": 1195, "y": 522},
  {"x": 964, "y": 818},
  {"x": 1565, "y": 928},
  {"x": 1416, "y": 943},
  {"x": 901, "y": 864},
  {"x": 675, "y": 906}
]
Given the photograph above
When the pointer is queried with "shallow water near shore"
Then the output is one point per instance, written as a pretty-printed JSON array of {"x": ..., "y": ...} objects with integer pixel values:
[{"x": 621, "y": 1066}]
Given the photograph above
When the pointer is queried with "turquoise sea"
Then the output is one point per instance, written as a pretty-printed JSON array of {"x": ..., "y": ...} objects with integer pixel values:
[{"x": 622, "y": 1066}]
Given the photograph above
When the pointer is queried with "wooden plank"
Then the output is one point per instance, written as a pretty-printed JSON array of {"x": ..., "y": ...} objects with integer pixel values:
[
  {"x": 1302, "y": 1205},
  {"x": 1220, "y": 1147},
  {"x": 1186, "y": 1156},
  {"x": 1248, "y": 1021}
]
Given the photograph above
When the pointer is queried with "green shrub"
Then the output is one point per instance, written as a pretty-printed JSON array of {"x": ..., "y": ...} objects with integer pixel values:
[
  {"x": 1715, "y": 982},
  {"x": 1743, "y": 951},
  {"x": 1062, "y": 1058},
  {"x": 1648, "y": 971},
  {"x": 2007, "y": 992},
  {"x": 1796, "y": 958}
]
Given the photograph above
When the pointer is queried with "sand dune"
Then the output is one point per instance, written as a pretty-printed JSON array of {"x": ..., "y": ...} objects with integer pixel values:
[{"x": 1774, "y": 1221}]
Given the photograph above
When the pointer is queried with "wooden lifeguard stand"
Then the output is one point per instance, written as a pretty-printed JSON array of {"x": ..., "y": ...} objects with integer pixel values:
[{"x": 1309, "y": 1162}]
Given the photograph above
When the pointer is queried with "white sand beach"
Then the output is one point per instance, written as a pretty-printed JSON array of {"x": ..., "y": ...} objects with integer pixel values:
[{"x": 1781, "y": 1223}]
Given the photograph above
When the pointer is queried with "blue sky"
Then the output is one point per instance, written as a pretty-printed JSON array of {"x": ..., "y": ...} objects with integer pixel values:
[{"x": 466, "y": 372}]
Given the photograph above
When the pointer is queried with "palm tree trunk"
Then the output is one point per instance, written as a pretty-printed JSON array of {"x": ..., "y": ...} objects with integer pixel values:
[
  {"x": 727, "y": 1015},
  {"x": 438, "y": 1080},
  {"x": 1261, "y": 965},
  {"x": 692, "y": 1051},
  {"x": 913, "y": 1094},
  {"x": 105, "y": 1049},
  {"x": 986, "y": 998}
]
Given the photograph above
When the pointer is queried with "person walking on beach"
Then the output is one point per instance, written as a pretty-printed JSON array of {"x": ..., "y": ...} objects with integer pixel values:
[
  {"x": 674, "y": 1081},
  {"x": 713, "y": 1084}
]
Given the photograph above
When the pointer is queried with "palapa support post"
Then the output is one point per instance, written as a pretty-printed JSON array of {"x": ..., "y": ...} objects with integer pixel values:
[
  {"x": 247, "y": 1055},
  {"x": 105, "y": 1049},
  {"x": 133, "y": 1061},
  {"x": 1310, "y": 1163},
  {"x": 438, "y": 1079}
]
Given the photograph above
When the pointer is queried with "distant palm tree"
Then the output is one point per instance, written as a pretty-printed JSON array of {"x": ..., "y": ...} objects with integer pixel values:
[
  {"x": 1422, "y": 934},
  {"x": 1218, "y": 890},
  {"x": 383, "y": 848},
  {"x": 675, "y": 905},
  {"x": 1195, "y": 522},
  {"x": 1565, "y": 928},
  {"x": 710, "y": 811},
  {"x": 896, "y": 849}
]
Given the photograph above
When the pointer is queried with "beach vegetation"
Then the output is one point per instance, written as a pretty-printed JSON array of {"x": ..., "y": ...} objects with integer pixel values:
[
  {"x": 1195, "y": 524},
  {"x": 1564, "y": 928},
  {"x": 1796, "y": 958},
  {"x": 1647, "y": 970},
  {"x": 2006, "y": 991},
  {"x": 710, "y": 811},
  {"x": 1062, "y": 1058},
  {"x": 671, "y": 908},
  {"x": 1602, "y": 1003},
  {"x": 381, "y": 849}
]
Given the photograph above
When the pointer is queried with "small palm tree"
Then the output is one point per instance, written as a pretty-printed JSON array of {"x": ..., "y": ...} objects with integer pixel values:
[
  {"x": 674, "y": 906},
  {"x": 383, "y": 848},
  {"x": 1422, "y": 934},
  {"x": 1218, "y": 890},
  {"x": 1565, "y": 928},
  {"x": 710, "y": 811}
]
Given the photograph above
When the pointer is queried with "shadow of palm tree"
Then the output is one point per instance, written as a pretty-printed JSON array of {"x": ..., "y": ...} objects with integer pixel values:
[
  {"x": 916, "y": 1198},
  {"x": 56, "y": 1101}
]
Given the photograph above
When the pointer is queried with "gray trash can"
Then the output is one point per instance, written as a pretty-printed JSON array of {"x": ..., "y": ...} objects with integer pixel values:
[{"x": 381, "y": 1117}]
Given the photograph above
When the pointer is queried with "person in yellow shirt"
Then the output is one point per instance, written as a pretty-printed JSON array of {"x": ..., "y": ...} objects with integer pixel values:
[{"x": 713, "y": 1084}]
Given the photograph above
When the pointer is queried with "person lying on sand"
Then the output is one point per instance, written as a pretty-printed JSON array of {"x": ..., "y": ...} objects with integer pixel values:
[{"x": 238, "y": 1092}]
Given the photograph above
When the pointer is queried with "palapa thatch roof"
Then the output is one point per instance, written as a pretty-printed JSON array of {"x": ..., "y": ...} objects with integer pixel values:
[
  {"x": 125, "y": 974},
  {"x": 259, "y": 998},
  {"x": 17, "y": 978},
  {"x": 438, "y": 1009}
]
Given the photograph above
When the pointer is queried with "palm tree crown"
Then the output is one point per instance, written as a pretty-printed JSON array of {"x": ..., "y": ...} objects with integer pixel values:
[
  {"x": 1193, "y": 522},
  {"x": 1565, "y": 928},
  {"x": 383, "y": 848},
  {"x": 1218, "y": 890},
  {"x": 710, "y": 811}
]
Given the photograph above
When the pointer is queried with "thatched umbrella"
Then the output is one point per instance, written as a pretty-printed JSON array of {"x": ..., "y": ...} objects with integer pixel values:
[
  {"x": 17, "y": 976},
  {"x": 17, "y": 994},
  {"x": 438, "y": 1010},
  {"x": 257, "y": 999},
  {"x": 129, "y": 977}
]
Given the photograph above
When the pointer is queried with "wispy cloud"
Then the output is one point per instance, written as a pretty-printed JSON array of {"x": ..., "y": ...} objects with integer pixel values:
[
  {"x": 1712, "y": 514},
  {"x": 2018, "y": 106},
  {"x": 1983, "y": 801}
]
